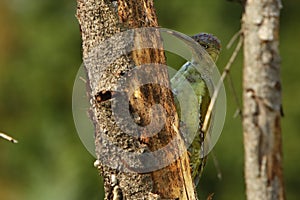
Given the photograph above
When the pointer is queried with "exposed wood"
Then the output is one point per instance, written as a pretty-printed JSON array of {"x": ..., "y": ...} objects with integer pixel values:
[
  {"x": 8, "y": 138},
  {"x": 262, "y": 101},
  {"x": 123, "y": 178}
]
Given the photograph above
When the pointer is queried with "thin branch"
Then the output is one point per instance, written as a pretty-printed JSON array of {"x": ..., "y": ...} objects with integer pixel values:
[
  {"x": 217, "y": 165},
  {"x": 233, "y": 39},
  {"x": 218, "y": 87},
  {"x": 233, "y": 90},
  {"x": 8, "y": 138},
  {"x": 236, "y": 99}
]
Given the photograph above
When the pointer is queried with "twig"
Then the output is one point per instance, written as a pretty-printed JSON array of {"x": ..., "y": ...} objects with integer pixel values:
[
  {"x": 236, "y": 99},
  {"x": 82, "y": 79},
  {"x": 7, "y": 137},
  {"x": 238, "y": 110},
  {"x": 210, "y": 196},
  {"x": 217, "y": 166},
  {"x": 233, "y": 39},
  {"x": 218, "y": 87}
]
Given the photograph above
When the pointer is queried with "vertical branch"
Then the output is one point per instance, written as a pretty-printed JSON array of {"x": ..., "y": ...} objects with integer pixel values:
[
  {"x": 142, "y": 14},
  {"x": 100, "y": 20},
  {"x": 262, "y": 100}
]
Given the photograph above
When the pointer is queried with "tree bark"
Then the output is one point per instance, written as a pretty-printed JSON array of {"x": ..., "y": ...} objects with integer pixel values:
[
  {"x": 262, "y": 100},
  {"x": 124, "y": 178}
]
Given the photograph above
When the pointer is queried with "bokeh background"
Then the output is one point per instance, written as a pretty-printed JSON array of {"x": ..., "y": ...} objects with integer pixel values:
[{"x": 40, "y": 53}]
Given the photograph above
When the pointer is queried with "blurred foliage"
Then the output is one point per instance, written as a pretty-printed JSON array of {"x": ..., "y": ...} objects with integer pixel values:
[{"x": 40, "y": 53}]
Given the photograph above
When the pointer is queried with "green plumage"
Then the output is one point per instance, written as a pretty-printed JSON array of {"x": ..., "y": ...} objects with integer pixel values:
[{"x": 195, "y": 104}]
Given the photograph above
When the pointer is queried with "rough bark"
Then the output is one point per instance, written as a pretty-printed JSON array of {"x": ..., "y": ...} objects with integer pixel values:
[
  {"x": 124, "y": 177},
  {"x": 262, "y": 100}
]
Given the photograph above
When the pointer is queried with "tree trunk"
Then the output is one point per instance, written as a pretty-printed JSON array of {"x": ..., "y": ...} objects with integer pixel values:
[
  {"x": 262, "y": 100},
  {"x": 118, "y": 150}
]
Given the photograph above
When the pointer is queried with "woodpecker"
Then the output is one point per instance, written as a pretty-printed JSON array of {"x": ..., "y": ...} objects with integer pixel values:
[{"x": 188, "y": 74}]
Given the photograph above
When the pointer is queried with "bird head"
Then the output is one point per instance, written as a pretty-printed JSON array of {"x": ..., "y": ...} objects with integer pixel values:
[{"x": 210, "y": 43}]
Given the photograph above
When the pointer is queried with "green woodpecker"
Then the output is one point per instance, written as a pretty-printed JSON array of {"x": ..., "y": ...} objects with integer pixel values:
[{"x": 189, "y": 77}]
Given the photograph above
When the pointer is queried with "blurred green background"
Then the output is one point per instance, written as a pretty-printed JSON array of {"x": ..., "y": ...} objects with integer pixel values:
[{"x": 40, "y": 53}]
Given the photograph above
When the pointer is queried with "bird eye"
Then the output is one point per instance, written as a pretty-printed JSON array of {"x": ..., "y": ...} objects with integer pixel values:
[{"x": 205, "y": 46}]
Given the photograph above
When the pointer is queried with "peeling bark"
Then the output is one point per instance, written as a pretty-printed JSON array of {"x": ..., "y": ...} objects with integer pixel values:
[{"x": 262, "y": 100}]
